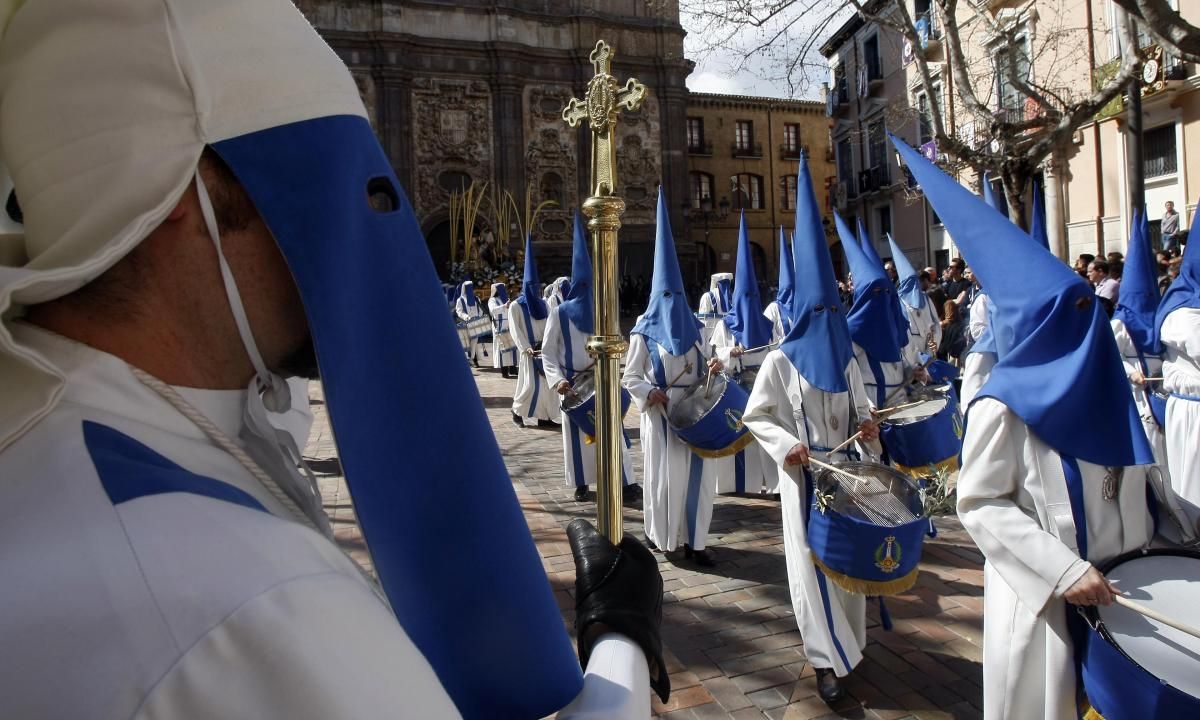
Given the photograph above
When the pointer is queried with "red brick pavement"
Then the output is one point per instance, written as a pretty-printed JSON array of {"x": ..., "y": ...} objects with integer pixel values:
[{"x": 730, "y": 637}]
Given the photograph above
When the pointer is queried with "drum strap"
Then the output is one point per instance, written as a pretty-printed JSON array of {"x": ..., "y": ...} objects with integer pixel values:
[
  {"x": 568, "y": 351},
  {"x": 1075, "y": 493}
]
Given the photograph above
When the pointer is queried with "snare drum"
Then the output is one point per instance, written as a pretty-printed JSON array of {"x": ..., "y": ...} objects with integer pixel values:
[
  {"x": 478, "y": 327},
  {"x": 580, "y": 403},
  {"x": 711, "y": 423},
  {"x": 926, "y": 437},
  {"x": 866, "y": 537},
  {"x": 1135, "y": 668}
]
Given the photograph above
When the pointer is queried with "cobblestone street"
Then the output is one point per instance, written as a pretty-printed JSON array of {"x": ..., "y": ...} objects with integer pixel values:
[{"x": 731, "y": 641}]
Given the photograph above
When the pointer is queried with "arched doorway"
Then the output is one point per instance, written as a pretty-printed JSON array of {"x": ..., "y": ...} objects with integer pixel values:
[{"x": 437, "y": 239}]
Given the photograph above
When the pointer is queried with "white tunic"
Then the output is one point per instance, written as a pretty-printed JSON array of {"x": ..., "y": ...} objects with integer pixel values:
[
  {"x": 923, "y": 326},
  {"x": 476, "y": 351},
  {"x": 977, "y": 366},
  {"x": 185, "y": 604},
  {"x": 504, "y": 351},
  {"x": 774, "y": 313},
  {"x": 1012, "y": 499},
  {"x": 895, "y": 374},
  {"x": 678, "y": 484},
  {"x": 579, "y": 451},
  {"x": 533, "y": 399},
  {"x": 785, "y": 410},
  {"x": 750, "y": 470},
  {"x": 1180, "y": 337}
]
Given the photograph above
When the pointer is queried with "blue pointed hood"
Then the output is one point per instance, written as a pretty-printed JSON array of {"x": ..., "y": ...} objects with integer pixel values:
[
  {"x": 1037, "y": 224},
  {"x": 467, "y": 292},
  {"x": 864, "y": 242},
  {"x": 500, "y": 291},
  {"x": 989, "y": 195},
  {"x": 787, "y": 281},
  {"x": 1139, "y": 298},
  {"x": 1185, "y": 289},
  {"x": 531, "y": 287},
  {"x": 745, "y": 319},
  {"x": 873, "y": 320},
  {"x": 668, "y": 320},
  {"x": 909, "y": 288},
  {"x": 1058, "y": 366},
  {"x": 577, "y": 307},
  {"x": 818, "y": 345}
]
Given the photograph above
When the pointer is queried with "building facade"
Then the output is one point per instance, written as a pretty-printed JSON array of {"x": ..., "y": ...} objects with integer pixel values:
[
  {"x": 473, "y": 91},
  {"x": 743, "y": 156}
]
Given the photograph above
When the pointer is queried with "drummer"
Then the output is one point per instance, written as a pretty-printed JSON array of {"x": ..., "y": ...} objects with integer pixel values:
[
  {"x": 743, "y": 328},
  {"x": 467, "y": 308},
  {"x": 924, "y": 328},
  {"x": 808, "y": 399},
  {"x": 1178, "y": 328},
  {"x": 533, "y": 401},
  {"x": 504, "y": 352},
  {"x": 886, "y": 358},
  {"x": 665, "y": 358},
  {"x": 1035, "y": 447},
  {"x": 719, "y": 298},
  {"x": 779, "y": 312},
  {"x": 564, "y": 355}
]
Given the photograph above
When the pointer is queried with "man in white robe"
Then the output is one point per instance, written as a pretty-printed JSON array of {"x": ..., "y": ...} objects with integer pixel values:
[
  {"x": 162, "y": 556},
  {"x": 1043, "y": 501},
  {"x": 504, "y": 351},
  {"x": 466, "y": 309},
  {"x": 808, "y": 399},
  {"x": 564, "y": 356},
  {"x": 533, "y": 401},
  {"x": 744, "y": 328},
  {"x": 665, "y": 358},
  {"x": 1178, "y": 324},
  {"x": 924, "y": 327},
  {"x": 715, "y": 303}
]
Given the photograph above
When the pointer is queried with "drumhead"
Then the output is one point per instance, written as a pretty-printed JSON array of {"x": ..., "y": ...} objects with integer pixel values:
[
  {"x": 927, "y": 408},
  {"x": 583, "y": 387},
  {"x": 1169, "y": 584},
  {"x": 695, "y": 404},
  {"x": 884, "y": 482}
]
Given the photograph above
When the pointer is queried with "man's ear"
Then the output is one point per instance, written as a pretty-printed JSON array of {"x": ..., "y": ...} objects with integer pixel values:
[{"x": 181, "y": 208}]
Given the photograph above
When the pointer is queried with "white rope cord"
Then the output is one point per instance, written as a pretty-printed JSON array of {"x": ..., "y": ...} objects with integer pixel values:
[{"x": 222, "y": 441}]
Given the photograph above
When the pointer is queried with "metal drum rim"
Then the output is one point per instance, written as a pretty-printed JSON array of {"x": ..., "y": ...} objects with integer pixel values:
[{"x": 716, "y": 400}]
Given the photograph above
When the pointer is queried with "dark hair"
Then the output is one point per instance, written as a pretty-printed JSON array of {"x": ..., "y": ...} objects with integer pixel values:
[
  {"x": 231, "y": 205},
  {"x": 1100, "y": 265},
  {"x": 1086, "y": 257},
  {"x": 959, "y": 263}
]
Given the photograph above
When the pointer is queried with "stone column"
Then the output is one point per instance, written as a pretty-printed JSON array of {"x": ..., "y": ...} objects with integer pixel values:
[
  {"x": 508, "y": 126},
  {"x": 1056, "y": 229}
]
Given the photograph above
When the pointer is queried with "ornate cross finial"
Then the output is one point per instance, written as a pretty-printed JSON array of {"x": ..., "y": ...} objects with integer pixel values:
[{"x": 599, "y": 107}]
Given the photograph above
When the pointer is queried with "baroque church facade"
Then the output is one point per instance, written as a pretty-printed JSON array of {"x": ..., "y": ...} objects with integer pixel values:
[{"x": 473, "y": 90}]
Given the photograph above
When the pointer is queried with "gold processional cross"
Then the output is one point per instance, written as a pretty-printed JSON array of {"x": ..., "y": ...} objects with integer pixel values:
[{"x": 600, "y": 106}]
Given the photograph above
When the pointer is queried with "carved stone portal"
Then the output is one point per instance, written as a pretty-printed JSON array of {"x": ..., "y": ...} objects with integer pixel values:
[
  {"x": 452, "y": 128},
  {"x": 551, "y": 160}
]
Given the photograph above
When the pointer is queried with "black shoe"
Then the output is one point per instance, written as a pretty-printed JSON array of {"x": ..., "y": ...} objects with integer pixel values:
[
  {"x": 476, "y": 363},
  {"x": 546, "y": 424},
  {"x": 829, "y": 687},
  {"x": 632, "y": 493},
  {"x": 581, "y": 493},
  {"x": 518, "y": 421},
  {"x": 703, "y": 558},
  {"x": 650, "y": 543}
]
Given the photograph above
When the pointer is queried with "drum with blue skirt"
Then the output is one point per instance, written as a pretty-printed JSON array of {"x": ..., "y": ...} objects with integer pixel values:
[
  {"x": 927, "y": 437},
  {"x": 478, "y": 328},
  {"x": 1137, "y": 668},
  {"x": 708, "y": 418},
  {"x": 580, "y": 402},
  {"x": 866, "y": 527}
]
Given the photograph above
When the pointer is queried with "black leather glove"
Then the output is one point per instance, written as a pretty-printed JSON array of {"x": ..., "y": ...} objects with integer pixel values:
[{"x": 618, "y": 589}]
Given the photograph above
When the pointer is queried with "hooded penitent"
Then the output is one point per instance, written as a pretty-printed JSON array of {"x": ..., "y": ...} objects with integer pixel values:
[
  {"x": 818, "y": 344},
  {"x": 578, "y": 304},
  {"x": 286, "y": 117},
  {"x": 500, "y": 292},
  {"x": 787, "y": 279},
  {"x": 721, "y": 285},
  {"x": 466, "y": 293},
  {"x": 864, "y": 242},
  {"x": 745, "y": 319},
  {"x": 876, "y": 321},
  {"x": 909, "y": 288},
  {"x": 1058, "y": 367},
  {"x": 1185, "y": 289},
  {"x": 531, "y": 295},
  {"x": 668, "y": 319},
  {"x": 1139, "y": 298}
]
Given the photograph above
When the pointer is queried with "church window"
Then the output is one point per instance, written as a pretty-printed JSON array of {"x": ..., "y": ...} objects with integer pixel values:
[
  {"x": 702, "y": 185},
  {"x": 788, "y": 184}
]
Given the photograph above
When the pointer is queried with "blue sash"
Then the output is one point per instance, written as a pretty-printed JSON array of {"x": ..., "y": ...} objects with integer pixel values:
[{"x": 537, "y": 363}]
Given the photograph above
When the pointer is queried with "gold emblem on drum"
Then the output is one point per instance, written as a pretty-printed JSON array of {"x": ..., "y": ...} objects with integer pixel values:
[
  {"x": 734, "y": 418},
  {"x": 888, "y": 554}
]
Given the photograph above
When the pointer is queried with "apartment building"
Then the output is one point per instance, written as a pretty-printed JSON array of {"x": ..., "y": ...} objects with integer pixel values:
[{"x": 743, "y": 155}]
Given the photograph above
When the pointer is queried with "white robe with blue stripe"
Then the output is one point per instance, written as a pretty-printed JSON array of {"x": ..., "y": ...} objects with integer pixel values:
[
  {"x": 679, "y": 485},
  {"x": 533, "y": 399},
  {"x": 751, "y": 470},
  {"x": 578, "y": 453},
  {"x": 785, "y": 410}
]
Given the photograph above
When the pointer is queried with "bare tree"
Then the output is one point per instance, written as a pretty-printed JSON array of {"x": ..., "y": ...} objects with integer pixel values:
[
  {"x": 1166, "y": 26},
  {"x": 1009, "y": 139}
]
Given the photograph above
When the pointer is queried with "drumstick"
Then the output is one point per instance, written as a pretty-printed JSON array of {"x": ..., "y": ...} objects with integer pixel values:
[
  {"x": 838, "y": 470},
  {"x": 881, "y": 413},
  {"x": 768, "y": 346},
  {"x": 844, "y": 445},
  {"x": 686, "y": 369},
  {"x": 909, "y": 381},
  {"x": 1152, "y": 379},
  {"x": 708, "y": 382},
  {"x": 1153, "y": 614}
]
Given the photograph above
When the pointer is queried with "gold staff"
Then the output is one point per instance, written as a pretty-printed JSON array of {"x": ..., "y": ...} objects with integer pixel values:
[{"x": 604, "y": 98}]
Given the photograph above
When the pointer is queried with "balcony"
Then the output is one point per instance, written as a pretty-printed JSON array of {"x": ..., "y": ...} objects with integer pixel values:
[
  {"x": 747, "y": 150},
  {"x": 791, "y": 152},
  {"x": 874, "y": 179},
  {"x": 704, "y": 148}
]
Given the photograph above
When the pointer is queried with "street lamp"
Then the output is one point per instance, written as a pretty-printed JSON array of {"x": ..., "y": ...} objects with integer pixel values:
[{"x": 706, "y": 213}]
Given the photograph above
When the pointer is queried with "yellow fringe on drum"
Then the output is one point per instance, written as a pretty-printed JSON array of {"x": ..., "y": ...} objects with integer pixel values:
[
  {"x": 739, "y": 445},
  {"x": 949, "y": 465},
  {"x": 868, "y": 587},
  {"x": 588, "y": 439},
  {"x": 1091, "y": 713}
]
